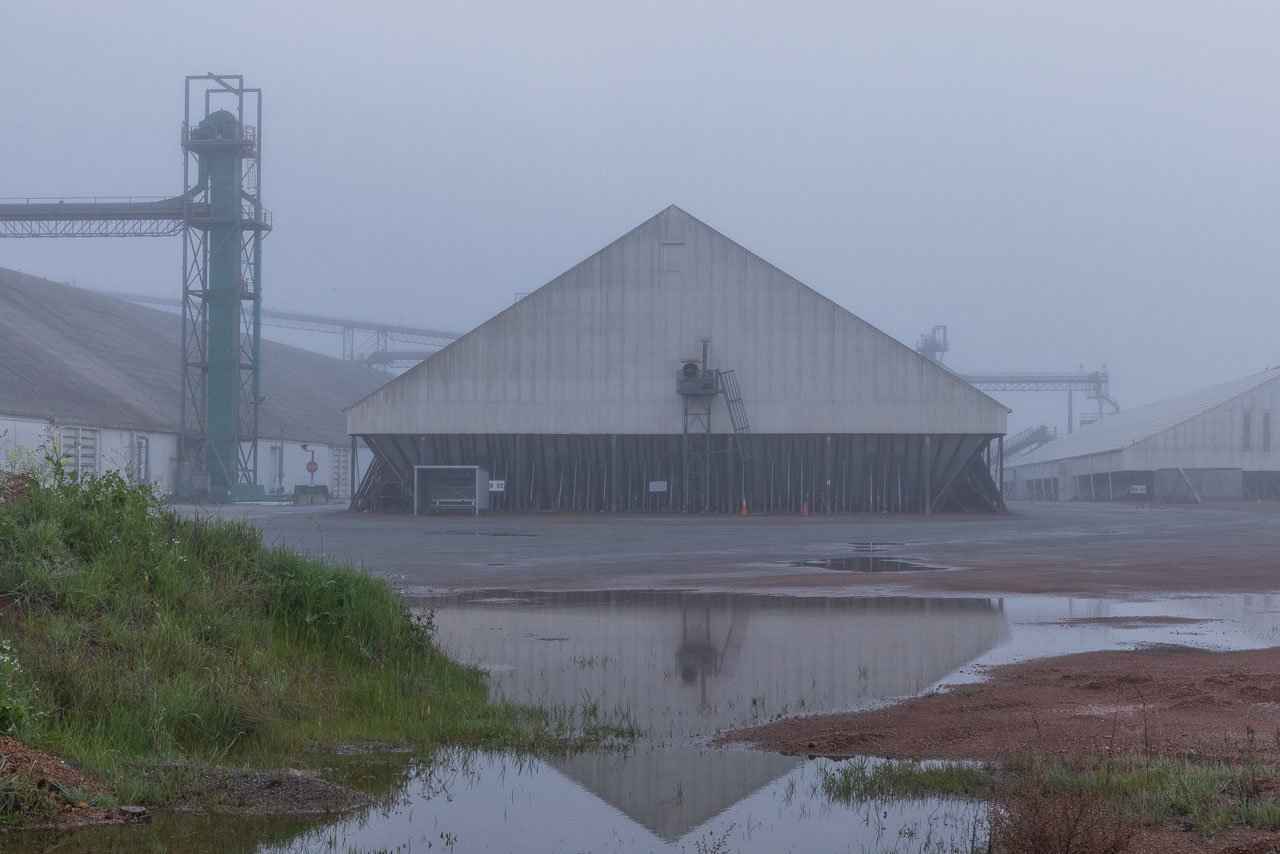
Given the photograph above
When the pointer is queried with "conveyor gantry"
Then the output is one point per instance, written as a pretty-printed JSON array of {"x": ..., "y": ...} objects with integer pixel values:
[
  {"x": 365, "y": 341},
  {"x": 125, "y": 216}
]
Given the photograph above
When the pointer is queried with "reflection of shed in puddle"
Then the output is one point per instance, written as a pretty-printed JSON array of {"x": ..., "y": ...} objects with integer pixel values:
[
  {"x": 673, "y": 790},
  {"x": 685, "y": 664},
  {"x": 692, "y": 664}
]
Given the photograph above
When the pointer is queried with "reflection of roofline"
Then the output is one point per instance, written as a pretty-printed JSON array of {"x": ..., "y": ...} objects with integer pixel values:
[{"x": 691, "y": 805}]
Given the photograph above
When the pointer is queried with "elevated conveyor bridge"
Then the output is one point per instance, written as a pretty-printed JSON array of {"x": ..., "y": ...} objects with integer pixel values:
[{"x": 366, "y": 341}]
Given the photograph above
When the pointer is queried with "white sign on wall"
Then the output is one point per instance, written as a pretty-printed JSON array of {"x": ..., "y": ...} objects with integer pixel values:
[
  {"x": 657, "y": 486},
  {"x": 497, "y": 486}
]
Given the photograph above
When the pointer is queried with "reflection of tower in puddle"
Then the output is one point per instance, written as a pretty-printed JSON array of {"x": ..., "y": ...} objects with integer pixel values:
[{"x": 705, "y": 653}]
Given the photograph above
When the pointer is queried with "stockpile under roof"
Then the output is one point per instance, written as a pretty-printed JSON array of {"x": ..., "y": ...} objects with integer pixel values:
[
  {"x": 76, "y": 356},
  {"x": 1123, "y": 429}
]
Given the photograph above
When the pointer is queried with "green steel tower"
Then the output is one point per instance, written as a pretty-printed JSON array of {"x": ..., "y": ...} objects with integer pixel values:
[{"x": 223, "y": 226}]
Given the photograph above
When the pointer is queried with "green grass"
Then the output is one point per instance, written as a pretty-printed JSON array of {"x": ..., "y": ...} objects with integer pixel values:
[
  {"x": 1202, "y": 796},
  {"x": 1206, "y": 797},
  {"x": 135, "y": 635},
  {"x": 21, "y": 804},
  {"x": 865, "y": 779}
]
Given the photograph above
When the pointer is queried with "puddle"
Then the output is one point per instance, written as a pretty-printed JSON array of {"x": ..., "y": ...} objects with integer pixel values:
[
  {"x": 866, "y": 563},
  {"x": 868, "y": 557},
  {"x": 498, "y": 803},
  {"x": 545, "y": 807},
  {"x": 684, "y": 666}
]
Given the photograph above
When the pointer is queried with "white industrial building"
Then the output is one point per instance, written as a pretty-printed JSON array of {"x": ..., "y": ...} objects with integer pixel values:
[
  {"x": 1215, "y": 443},
  {"x": 98, "y": 378},
  {"x": 674, "y": 369}
]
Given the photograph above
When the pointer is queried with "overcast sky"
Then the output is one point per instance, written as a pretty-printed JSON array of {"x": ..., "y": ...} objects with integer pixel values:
[{"x": 1061, "y": 183}]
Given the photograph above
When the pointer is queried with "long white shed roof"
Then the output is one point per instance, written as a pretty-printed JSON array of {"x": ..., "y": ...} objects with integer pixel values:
[
  {"x": 1123, "y": 429},
  {"x": 83, "y": 358}
]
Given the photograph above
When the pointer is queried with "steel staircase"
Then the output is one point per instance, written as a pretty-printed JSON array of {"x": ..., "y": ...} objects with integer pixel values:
[{"x": 737, "y": 412}]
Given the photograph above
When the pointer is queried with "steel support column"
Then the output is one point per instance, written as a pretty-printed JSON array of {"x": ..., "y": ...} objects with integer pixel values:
[
  {"x": 695, "y": 453},
  {"x": 1000, "y": 467},
  {"x": 927, "y": 464}
]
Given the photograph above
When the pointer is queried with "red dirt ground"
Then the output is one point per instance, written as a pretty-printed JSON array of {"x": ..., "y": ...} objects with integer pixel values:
[
  {"x": 1165, "y": 700},
  {"x": 60, "y": 786}
]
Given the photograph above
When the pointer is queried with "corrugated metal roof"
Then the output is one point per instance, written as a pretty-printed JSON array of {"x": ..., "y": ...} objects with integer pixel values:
[
  {"x": 1125, "y": 428},
  {"x": 78, "y": 356},
  {"x": 595, "y": 350}
]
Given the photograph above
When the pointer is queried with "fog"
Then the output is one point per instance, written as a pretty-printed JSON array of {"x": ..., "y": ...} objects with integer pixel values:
[{"x": 1060, "y": 183}]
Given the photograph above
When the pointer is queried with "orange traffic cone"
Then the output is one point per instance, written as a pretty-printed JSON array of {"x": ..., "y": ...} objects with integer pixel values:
[
  {"x": 742, "y": 511},
  {"x": 804, "y": 509}
]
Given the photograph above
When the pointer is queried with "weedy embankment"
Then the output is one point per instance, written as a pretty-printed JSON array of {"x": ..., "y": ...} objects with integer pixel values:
[{"x": 142, "y": 646}]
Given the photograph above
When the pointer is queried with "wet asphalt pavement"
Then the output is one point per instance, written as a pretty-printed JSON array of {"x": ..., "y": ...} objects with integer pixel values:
[{"x": 1061, "y": 548}]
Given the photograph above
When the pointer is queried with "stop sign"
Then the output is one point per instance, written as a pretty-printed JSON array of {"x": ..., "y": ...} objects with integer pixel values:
[{"x": 311, "y": 466}]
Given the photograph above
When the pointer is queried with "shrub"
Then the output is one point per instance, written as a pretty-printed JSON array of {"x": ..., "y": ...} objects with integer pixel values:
[{"x": 1033, "y": 815}]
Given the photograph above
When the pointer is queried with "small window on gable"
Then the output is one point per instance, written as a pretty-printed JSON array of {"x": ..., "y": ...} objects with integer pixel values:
[
  {"x": 1247, "y": 436},
  {"x": 672, "y": 257}
]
